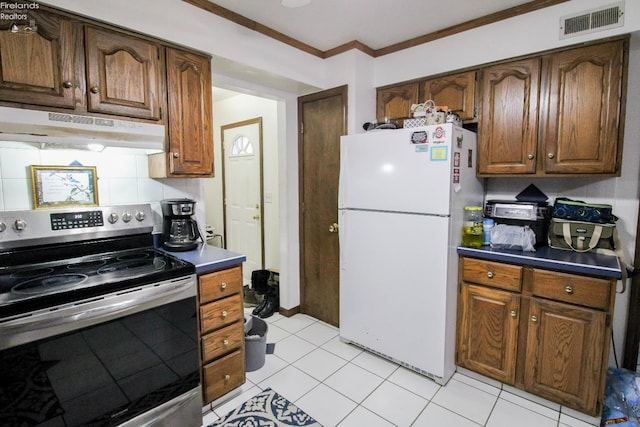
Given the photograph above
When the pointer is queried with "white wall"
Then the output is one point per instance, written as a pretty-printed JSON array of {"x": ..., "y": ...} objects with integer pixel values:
[
  {"x": 236, "y": 109},
  {"x": 123, "y": 178},
  {"x": 533, "y": 32}
]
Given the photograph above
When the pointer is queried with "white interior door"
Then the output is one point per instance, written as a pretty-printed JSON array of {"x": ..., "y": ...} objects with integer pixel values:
[{"x": 244, "y": 229}]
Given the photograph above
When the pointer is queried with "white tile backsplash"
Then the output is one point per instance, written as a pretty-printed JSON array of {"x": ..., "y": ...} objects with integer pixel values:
[
  {"x": 15, "y": 161},
  {"x": 123, "y": 177},
  {"x": 618, "y": 192},
  {"x": 16, "y": 193}
]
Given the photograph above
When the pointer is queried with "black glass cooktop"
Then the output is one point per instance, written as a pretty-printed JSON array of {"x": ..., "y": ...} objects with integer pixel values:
[{"x": 33, "y": 286}]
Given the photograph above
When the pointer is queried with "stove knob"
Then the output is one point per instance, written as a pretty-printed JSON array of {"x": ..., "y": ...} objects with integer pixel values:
[
  {"x": 20, "y": 224},
  {"x": 3, "y": 227},
  {"x": 126, "y": 217},
  {"x": 113, "y": 218},
  {"x": 140, "y": 216}
]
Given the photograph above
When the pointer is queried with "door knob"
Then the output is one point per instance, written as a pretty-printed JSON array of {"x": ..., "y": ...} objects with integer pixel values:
[
  {"x": 333, "y": 228},
  {"x": 256, "y": 217}
]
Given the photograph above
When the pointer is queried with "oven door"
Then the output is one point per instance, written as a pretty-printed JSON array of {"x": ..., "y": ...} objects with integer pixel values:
[{"x": 129, "y": 357}]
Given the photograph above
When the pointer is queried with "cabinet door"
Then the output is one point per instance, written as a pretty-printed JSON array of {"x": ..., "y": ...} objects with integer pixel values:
[
  {"x": 582, "y": 119},
  {"x": 565, "y": 345},
  {"x": 508, "y": 131},
  {"x": 488, "y": 331},
  {"x": 456, "y": 91},
  {"x": 123, "y": 74},
  {"x": 190, "y": 113},
  {"x": 395, "y": 102},
  {"x": 39, "y": 67}
]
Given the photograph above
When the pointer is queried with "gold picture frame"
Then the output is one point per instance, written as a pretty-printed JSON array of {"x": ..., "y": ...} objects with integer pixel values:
[{"x": 63, "y": 186}]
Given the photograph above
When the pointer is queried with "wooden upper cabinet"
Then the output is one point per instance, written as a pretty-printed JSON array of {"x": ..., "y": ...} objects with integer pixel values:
[
  {"x": 508, "y": 131},
  {"x": 395, "y": 102},
  {"x": 582, "y": 110},
  {"x": 190, "y": 113},
  {"x": 456, "y": 91},
  {"x": 39, "y": 67},
  {"x": 124, "y": 74},
  {"x": 559, "y": 113}
]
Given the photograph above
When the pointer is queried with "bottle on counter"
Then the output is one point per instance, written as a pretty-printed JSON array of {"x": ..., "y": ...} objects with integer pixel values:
[
  {"x": 487, "y": 226},
  {"x": 472, "y": 227}
]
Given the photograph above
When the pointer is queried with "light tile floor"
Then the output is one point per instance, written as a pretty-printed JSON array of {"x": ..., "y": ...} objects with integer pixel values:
[{"x": 341, "y": 385}]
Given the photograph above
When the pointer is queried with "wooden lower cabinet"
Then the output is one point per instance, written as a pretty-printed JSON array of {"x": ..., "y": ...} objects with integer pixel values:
[
  {"x": 489, "y": 331},
  {"x": 222, "y": 346},
  {"x": 223, "y": 375},
  {"x": 550, "y": 337}
]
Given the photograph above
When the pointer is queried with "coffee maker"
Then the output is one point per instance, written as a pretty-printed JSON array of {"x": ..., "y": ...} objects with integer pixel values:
[{"x": 179, "y": 231}]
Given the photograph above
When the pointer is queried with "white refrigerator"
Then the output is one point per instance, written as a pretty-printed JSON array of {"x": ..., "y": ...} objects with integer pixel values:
[{"x": 400, "y": 209}]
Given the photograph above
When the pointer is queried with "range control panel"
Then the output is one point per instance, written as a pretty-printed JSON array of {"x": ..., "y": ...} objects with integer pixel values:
[
  {"x": 63, "y": 221},
  {"x": 24, "y": 228}
]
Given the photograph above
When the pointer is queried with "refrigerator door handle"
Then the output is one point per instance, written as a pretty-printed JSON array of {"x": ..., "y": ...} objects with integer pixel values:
[
  {"x": 342, "y": 237},
  {"x": 342, "y": 176}
]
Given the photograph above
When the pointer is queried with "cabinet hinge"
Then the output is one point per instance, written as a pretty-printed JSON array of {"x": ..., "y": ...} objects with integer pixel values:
[
  {"x": 301, "y": 127},
  {"x": 607, "y": 321}
]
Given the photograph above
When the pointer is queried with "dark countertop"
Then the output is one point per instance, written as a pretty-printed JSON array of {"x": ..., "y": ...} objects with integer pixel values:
[
  {"x": 556, "y": 259},
  {"x": 208, "y": 258}
]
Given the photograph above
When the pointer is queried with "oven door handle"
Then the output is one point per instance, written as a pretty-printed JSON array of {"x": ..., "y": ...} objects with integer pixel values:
[{"x": 46, "y": 323}]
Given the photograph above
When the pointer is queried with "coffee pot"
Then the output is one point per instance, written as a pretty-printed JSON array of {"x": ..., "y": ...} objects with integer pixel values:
[{"x": 180, "y": 232}]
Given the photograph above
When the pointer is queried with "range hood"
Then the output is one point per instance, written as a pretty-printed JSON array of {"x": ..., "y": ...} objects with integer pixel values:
[{"x": 72, "y": 130}]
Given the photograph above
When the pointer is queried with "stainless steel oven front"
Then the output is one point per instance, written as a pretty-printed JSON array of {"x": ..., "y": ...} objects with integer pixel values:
[{"x": 124, "y": 357}]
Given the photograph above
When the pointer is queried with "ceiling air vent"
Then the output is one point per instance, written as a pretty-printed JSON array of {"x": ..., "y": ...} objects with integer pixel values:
[{"x": 591, "y": 21}]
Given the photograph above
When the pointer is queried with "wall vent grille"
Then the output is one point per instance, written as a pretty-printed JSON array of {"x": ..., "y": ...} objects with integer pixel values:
[{"x": 591, "y": 21}]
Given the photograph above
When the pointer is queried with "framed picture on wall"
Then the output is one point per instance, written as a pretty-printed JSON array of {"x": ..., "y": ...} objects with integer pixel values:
[{"x": 64, "y": 186}]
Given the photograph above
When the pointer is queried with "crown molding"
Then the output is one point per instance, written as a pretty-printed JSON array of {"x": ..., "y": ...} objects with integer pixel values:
[{"x": 355, "y": 44}]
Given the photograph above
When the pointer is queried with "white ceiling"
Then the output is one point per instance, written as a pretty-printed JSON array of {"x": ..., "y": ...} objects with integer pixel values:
[{"x": 326, "y": 24}]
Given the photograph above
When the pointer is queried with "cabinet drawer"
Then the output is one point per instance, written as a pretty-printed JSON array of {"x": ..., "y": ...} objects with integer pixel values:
[
  {"x": 587, "y": 291},
  {"x": 220, "y": 284},
  {"x": 222, "y": 341},
  {"x": 220, "y": 313},
  {"x": 495, "y": 274},
  {"x": 223, "y": 375}
]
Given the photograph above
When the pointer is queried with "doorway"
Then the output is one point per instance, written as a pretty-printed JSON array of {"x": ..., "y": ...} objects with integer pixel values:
[
  {"x": 242, "y": 192},
  {"x": 323, "y": 120}
]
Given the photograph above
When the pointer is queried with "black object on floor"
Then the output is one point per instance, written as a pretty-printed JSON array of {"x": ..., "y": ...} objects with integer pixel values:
[{"x": 272, "y": 303}]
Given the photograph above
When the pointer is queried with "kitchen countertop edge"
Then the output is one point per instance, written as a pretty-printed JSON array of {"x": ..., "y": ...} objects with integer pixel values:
[
  {"x": 557, "y": 259},
  {"x": 208, "y": 258}
]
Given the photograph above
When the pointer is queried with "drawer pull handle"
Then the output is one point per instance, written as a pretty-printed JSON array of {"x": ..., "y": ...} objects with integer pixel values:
[
  {"x": 224, "y": 313},
  {"x": 569, "y": 289},
  {"x": 225, "y": 343},
  {"x": 227, "y": 378},
  {"x": 513, "y": 313},
  {"x": 490, "y": 274},
  {"x": 534, "y": 318},
  {"x": 223, "y": 286}
]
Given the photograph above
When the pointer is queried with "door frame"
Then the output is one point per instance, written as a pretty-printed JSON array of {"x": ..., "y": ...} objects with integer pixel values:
[
  {"x": 337, "y": 91},
  {"x": 223, "y": 128}
]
